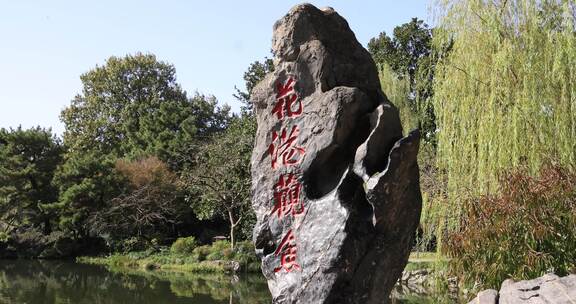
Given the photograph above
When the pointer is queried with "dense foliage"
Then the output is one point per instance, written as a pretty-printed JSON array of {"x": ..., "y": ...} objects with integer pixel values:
[
  {"x": 149, "y": 208},
  {"x": 133, "y": 107},
  {"x": 220, "y": 183},
  {"x": 28, "y": 160},
  {"x": 87, "y": 181},
  {"x": 504, "y": 95},
  {"x": 409, "y": 44},
  {"x": 493, "y": 89},
  {"x": 132, "y": 142},
  {"x": 256, "y": 71},
  {"x": 524, "y": 231},
  {"x": 185, "y": 245},
  {"x": 406, "y": 63}
]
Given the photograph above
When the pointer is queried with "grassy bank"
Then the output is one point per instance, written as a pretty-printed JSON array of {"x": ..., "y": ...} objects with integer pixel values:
[
  {"x": 165, "y": 260},
  {"x": 426, "y": 260},
  {"x": 215, "y": 258},
  {"x": 186, "y": 256}
]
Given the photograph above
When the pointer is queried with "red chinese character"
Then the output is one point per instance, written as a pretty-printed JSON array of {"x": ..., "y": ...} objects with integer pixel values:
[
  {"x": 285, "y": 149},
  {"x": 285, "y": 89},
  {"x": 288, "y": 249},
  {"x": 286, "y": 98},
  {"x": 287, "y": 196}
]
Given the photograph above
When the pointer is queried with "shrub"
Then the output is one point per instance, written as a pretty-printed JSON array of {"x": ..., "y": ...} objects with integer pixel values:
[
  {"x": 219, "y": 250},
  {"x": 215, "y": 256},
  {"x": 118, "y": 260},
  {"x": 220, "y": 245},
  {"x": 244, "y": 253},
  {"x": 228, "y": 254},
  {"x": 201, "y": 252},
  {"x": 133, "y": 244},
  {"x": 244, "y": 247},
  {"x": 205, "y": 266},
  {"x": 150, "y": 266},
  {"x": 526, "y": 230},
  {"x": 143, "y": 254},
  {"x": 184, "y": 245}
]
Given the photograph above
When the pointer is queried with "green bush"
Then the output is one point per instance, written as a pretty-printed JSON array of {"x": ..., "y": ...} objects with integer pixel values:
[
  {"x": 244, "y": 247},
  {"x": 220, "y": 245},
  {"x": 134, "y": 244},
  {"x": 219, "y": 250},
  {"x": 140, "y": 254},
  {"x": 228, "y": 254},
  {"x": 201, "y": 252},
  {"x": 184, "y": 245},
  {"x": 119, "y": 260},
  {"x": 205, "y": 266},
  {"x": 215, "y": 256},
  {"x": 526, "y": 230}
]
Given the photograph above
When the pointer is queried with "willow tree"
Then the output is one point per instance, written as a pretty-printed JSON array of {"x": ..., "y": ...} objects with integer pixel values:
[
  {"x": 506, "y": 94},
  {"x": 398, "y": 92}
]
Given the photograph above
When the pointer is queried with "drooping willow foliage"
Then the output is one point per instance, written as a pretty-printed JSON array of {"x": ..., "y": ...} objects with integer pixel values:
[
  {"x": 397, "y": 90},
  {"x": 505, "y": 95}
]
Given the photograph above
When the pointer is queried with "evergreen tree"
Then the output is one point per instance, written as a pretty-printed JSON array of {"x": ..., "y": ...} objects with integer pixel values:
[
  {"x": 407, "y": 57},
  {"x": 255, "y": 73},
  {"x": 87, "y": 180},
  {"x": 28, "y": 160}
]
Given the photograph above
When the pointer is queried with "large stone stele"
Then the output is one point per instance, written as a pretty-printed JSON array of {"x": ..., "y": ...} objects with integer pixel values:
[{"x": 338, "y": 204}]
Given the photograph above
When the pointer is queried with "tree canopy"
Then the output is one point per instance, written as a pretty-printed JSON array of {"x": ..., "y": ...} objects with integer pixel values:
[
  {"x": 221, "y": 181},
  {"x": 402, "y": 52},
  {"x": 406, "y": 62},
  {"x": 28, "y": 160},
  {"x": 131, "y": 112},
  {"x": 133, "y": 107},
  {"x": 255, "y": 73}
]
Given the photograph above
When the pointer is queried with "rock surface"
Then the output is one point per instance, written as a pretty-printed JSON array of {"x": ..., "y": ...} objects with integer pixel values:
[
  {"x": 546, "y": 289},
  {"x": 488, "y": 296},
  {"x": 335, "y": 184},
  {"x": 416, "y": 278}
]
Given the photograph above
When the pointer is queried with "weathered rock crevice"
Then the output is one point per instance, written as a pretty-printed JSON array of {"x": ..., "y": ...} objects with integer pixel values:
[{"x": 330, "y": 163}]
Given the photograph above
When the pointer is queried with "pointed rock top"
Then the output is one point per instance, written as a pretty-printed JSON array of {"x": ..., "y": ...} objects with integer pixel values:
[{"x": 322, "y": 39}]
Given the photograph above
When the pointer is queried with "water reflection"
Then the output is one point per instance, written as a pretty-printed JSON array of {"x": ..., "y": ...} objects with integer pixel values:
[
  {"x": 57, "y": 282},
  {"x": 43, "y": 282}
]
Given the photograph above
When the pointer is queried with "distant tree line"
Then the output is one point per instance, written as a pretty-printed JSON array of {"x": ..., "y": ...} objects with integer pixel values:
[{"x": 140, "y": 163}]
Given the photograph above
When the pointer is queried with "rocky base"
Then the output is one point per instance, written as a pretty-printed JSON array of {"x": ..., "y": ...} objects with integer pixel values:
[{"x": 546, "y": 289}]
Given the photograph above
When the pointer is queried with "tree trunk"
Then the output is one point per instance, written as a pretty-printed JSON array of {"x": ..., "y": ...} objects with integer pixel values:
[
  {"x": 232, "y": 226},
  {"x": 47, "y": 226}
]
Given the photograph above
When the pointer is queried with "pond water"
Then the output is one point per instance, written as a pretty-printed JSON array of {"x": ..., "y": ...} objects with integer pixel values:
[{"x": 62, "y": 282}]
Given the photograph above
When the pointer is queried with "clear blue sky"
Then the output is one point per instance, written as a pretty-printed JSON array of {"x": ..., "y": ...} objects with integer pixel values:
[{"x": 46, "y": 45}]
